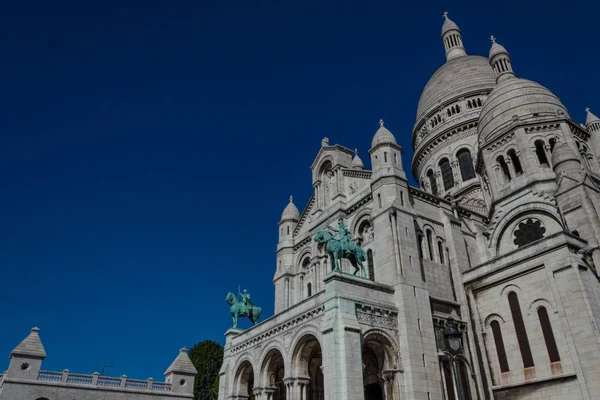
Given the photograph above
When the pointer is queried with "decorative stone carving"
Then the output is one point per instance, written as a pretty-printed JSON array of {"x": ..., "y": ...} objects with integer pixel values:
[
  {"x": 376, "y": 316},
  {"x": 528, "y": 231}
]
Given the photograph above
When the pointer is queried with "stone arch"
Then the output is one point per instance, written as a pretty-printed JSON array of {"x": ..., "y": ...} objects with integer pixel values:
[
  {"x": 511, "y": 287},
  {"x": 381, "y": 361},
  {"x": 537, "y": 303},
  {"x": 515, "y": 215},
  {"x": 364, "y": 215},
  {"x": 306, "y": 254},
  {"x": 493, "y": 317},
  {"x": 307, "y": 362},
  {"x": 273, "y": 344},
  {"x": 272, "y": 372},
  {"x": 243, "y": 382}
]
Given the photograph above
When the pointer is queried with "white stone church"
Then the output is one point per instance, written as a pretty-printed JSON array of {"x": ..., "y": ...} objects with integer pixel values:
[{"x": 482, "y": 282}]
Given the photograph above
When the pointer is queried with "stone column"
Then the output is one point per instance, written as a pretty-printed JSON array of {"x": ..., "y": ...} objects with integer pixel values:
[
  {"x": 511, "y": 167},
  {"x": 456, "y": 173},
  {"x": 397, "y": 258}
]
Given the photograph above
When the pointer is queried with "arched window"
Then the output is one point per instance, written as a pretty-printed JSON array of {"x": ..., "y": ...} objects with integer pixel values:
[
  {"x": 515, "y": 162},
  {"x": 504, "y": 169},
  {"x": 447, "y": 176},
  {"x": 371, "y": 265},
  {"x": 309, "y": 289},
  {"x": 499, "y": 341},
  {"x": 469, "y": 104},
  {"x": 552, "y": 144},
  {"x": 540, "y": 152},
  {"x": 479, "y": 103},
  {"x": 441, "y": 251},
  {"x": 465, "y": 163},
  {"x": 430, "y": 244},
  {"x": 432, "y": 182},
  {"x": 548, "y": 335},
  {"x": 379, "y": 199},
  {"x": 522, "y": 339},
  {"x": 288, "y": 230}
]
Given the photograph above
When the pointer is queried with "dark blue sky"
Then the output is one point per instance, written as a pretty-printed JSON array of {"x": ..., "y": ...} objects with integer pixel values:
[{"x": 148, "y": 149}]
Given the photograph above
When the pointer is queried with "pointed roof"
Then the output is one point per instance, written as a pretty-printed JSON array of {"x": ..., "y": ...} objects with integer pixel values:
[
  {"x": 590, "y": 117},
  {"x": 357, "y": 163},
  {"x": 182, "y": 364},
  {"x": 290, "y": 211},
  {"x": 383, "y": 135},
  {"x": 31, "y": 346}
]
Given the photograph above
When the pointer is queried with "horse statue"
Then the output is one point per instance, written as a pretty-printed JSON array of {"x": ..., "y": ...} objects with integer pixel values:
[
  {"x": 342, "y": 248},
  {"x": 243, "y": 308}
]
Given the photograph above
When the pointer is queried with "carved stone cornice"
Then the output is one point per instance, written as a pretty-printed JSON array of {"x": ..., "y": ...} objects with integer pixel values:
[
  {"x": 376, "y": 316},
  {"x": 304, "y": 241},
  {"x": 353, "y": 173}
]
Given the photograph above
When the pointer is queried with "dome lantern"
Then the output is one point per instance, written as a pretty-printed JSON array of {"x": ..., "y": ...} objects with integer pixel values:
[
  {"x": 500, "y": 61},
  {"x": 452, "y": 39},
  {"x": 291, "y": 211}
]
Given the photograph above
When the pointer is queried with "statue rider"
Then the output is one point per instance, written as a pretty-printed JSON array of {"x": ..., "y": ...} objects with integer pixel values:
[
  {"x": 345, "y": 239},
  {"x": 246, "y": 300}
]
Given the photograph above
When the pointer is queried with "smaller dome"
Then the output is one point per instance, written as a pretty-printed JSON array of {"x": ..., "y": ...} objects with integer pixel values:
[
  {"x": 449, "y": 25},
  {"x": 496, "y": 49},
  {"x": 563, "y": 152},
  {"x": 516, "y": 100},
  {"x": 290, "y": 211},
  {"x": 357, "y": 163},
  {"x": 590, "y": 117},
  {"x": 383, "y": 135}
]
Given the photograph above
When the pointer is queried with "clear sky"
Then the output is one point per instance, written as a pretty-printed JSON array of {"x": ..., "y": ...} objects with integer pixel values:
[{"x": 148, "y": 148}]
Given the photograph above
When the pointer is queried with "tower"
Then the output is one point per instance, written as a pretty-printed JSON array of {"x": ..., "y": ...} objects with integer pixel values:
[
  {"x": 285, "y": 256},
  {"x": 592, "y": 124},
  {"x": 452, "y": 39},
  {"x": 26, "y": 359},
  {"x": 181, "y": 373}
]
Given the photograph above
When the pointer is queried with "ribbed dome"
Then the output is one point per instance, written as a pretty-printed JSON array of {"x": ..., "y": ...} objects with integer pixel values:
[
  {"x": 453, "y": 79},
  {"x": 496, "y": 49},
  {"x": 383, "y": 135},
  {"x": 290, "y": 211},
  {"x": 449, "y": 25},
  {"x": 516, "y": 99}
]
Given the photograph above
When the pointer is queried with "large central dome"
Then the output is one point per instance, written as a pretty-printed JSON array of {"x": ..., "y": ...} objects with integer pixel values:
[{"x": 456, "y": 77}]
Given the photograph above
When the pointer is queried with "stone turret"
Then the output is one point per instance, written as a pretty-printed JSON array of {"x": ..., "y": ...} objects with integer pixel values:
[
  {"x": 181, "y": 373},
  {"x": 452, "y": 39},
  {"x": 386, "y": 155},
  {"x": 500, "y": 62},
  {"x": 285, "y": 255},
  {"x": 26, "y": 359},
  {"x": 592, "y": 123}
]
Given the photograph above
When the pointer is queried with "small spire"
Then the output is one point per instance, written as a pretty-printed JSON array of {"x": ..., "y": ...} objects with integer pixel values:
[
  {"x": 291, "y": 199},
  {"x": 325, "y": 142},
  {"x": 355, "y": 152},
  {"x": 493, "y": 39},
  {"x": 587, "y": 109},
  {"x": 446, "y": 15},
  {"x": 380, "y": 122}
]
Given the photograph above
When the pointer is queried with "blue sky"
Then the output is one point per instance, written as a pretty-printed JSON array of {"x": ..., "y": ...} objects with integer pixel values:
[{"x": 148, "y": 148}]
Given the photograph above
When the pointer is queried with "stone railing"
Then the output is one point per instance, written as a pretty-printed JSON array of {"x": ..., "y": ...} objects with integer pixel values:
[{"x": 104, "y": 381}]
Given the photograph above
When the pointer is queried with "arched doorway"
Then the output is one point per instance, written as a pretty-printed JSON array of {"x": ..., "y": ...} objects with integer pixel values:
[
  {"x": 272, "y": 374},
  {"x": 380, "y": 363},
  {"x": 307, "y": 364},
  {"x": 244, "y": 380}
]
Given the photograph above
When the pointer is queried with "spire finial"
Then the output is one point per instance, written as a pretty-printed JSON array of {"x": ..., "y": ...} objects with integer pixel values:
[
  {"x": 355, "y": 152},
  {"x": 446, "y": 15},
  {"x": 587, "y": 109},
  {"x": 291, "y": 199},
  {"x": 380, "y": 122},
  {"x": 493, "y": 39}
]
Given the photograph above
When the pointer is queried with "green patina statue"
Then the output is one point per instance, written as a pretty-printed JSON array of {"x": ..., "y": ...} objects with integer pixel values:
[
  {"x": 242, "y": 307},
  {"x": 342, "y": 247}
]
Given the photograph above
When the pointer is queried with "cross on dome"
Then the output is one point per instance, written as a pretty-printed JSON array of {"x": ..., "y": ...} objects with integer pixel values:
[
  {"x": 356, "y": 151},
  {"x": 587, "y": 109},
  {"x": 380, "y": 122},
  {"x": 291, "y": 199},
  {"x": 446, "y": 15},
  {"x": 493, "y": 39}
]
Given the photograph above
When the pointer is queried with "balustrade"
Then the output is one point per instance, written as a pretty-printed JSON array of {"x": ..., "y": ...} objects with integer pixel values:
[{"x": 65, "y": 377}]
